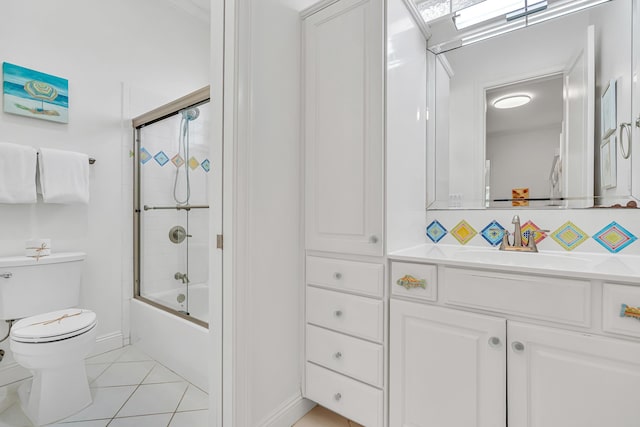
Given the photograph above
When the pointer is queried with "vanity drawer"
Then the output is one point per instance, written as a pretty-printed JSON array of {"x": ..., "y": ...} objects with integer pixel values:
[
  {"x": 414, "y": 280},
  {"x": 539, "y": 297},
  {"x": 349, "y": 398},
  {"x": 354, "y": 357},
  {"x": 355, "y": 315},
  {"x": 362, "y": 277},
  {"x": 614, "y": 319}
]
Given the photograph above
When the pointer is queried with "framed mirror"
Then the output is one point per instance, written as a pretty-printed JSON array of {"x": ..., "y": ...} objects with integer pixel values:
[{"x": 529, "y": 111}]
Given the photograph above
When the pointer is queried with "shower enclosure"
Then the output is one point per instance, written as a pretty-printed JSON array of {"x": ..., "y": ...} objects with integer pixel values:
[{"x": 171, "y": 219}]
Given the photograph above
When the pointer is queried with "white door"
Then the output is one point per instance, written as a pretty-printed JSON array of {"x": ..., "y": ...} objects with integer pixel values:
[
  {"x": 343, "y": 61},
  {"x": 579, "y": 116},
  {"x": 569, "y": 379},
  {"x": 447, "y": 368}
]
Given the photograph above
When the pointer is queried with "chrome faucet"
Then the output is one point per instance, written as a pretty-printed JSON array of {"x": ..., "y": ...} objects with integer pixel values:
[
  {"x": 517, "y": 238},
  {"x": 181, "y": 276},
  {"x": 517, "y": 232}
]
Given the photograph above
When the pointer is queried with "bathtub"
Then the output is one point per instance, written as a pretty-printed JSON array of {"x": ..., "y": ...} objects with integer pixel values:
[
  {"x": 198, "y": 307},
  {"x": 179, "y": 344}
]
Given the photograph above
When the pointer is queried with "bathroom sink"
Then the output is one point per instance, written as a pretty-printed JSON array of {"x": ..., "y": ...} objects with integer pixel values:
[{"x": 524, "y": 259}]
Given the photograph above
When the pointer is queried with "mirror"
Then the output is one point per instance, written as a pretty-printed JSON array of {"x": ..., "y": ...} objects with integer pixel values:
[{"x": 561, "y": 149}]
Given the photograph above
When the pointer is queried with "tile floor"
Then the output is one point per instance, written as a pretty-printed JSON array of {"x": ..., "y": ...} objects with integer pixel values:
[
  {"x": 322, "y": 417},
  {"x": 129, "y": 389}
]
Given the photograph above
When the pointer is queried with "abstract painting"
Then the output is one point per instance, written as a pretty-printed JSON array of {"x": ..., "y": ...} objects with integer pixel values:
[{"x": 34, "y": 94}]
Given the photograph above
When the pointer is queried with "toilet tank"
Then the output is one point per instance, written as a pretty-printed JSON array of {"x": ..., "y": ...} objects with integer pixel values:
[{"x": 30, "y": 286}]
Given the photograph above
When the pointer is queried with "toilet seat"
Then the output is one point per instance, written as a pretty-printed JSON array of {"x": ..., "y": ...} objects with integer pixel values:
[{"x": 53, "y": 326}]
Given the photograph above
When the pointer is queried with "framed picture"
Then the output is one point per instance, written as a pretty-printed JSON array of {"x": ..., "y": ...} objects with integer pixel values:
[
  {"x": 608, "y": 111},
  {"x": 34, "y": 94},
  {"x": 608, "y": 162}
]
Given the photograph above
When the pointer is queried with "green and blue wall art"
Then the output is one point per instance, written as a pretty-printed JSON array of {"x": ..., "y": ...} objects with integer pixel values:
[{"x": 34, "y": 94}]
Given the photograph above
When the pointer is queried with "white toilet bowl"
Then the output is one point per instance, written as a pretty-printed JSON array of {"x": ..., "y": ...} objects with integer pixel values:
[{"x": 53, "y": 346}]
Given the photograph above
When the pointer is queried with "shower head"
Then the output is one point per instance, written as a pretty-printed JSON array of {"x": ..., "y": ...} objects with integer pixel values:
[{"x": 190, "y": 114}]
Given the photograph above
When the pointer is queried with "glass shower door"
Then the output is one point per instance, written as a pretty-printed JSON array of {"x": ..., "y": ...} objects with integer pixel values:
[{"x": 172, "y": 210}]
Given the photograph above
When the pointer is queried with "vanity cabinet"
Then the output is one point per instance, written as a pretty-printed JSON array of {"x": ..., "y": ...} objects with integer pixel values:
[
  {"x": 473, "y": 362},
  {"x": 344, "y": 336},
  {"x": 343, "y": 128},
  {"x": 446, "y": 367},
  {"x": 564, "y": 378}
]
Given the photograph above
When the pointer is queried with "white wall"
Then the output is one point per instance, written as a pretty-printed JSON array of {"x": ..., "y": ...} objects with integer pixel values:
[
  {"x": 406, "y": 127},
  {"x": 522, "y": 159},
  {"x": 268, "y": 240},
  {"x": 101, "y": 47}
]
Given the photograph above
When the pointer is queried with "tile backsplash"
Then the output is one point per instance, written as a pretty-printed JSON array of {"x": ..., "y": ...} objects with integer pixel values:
[{"x": 579, "y": 230}]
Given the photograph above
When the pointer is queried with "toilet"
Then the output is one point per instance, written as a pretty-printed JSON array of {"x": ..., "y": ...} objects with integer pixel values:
[{"x": 52, "y": 337}]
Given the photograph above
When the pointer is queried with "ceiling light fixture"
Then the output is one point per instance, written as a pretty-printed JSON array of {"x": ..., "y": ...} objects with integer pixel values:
[{"x": 511, "y": 101}]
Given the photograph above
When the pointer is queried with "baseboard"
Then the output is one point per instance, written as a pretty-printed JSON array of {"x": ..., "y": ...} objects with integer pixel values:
[
  {"x": 288, "y": 413},
  {"x": 108, "y": 342},
  {"x": 13, "y": 372}
]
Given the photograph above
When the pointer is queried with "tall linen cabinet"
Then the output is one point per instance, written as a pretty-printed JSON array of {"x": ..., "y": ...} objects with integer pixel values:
[{"x": 343, "y": 68}]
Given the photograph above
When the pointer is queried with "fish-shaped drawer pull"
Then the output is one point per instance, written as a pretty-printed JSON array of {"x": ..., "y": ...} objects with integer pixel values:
[
  {"x": 409, "y": 282},
  {"x": 628, "y": 311}
]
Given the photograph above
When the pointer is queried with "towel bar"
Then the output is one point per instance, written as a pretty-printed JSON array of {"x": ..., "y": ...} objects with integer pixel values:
[{"x": 91, "y": 159}]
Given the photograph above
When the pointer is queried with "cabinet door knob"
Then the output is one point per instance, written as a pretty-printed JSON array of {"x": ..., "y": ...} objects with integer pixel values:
[
  {"x": 517, "y": 346},
  {"x": 6, "y": 275},
  {"x": 338, "y": 313},
  {"x": 338, "y": 355},
  {"x": 337, "y": 276},
  {"x": 373, "y": 239},
  {"x": 337, "y": 396},
  {"x": 495, "y": 342}
]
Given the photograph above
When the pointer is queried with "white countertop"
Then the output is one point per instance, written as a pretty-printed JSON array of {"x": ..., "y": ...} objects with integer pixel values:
[{"x": 614, "y": 267}]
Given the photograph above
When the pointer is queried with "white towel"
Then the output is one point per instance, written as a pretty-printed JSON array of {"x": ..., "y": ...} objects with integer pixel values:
[
  {"x": 17, "y": 173},
  {"x": 64, "y": 176}
]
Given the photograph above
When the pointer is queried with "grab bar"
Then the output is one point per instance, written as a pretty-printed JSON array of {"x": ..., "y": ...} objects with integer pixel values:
[{"x": 178, "y": 207}]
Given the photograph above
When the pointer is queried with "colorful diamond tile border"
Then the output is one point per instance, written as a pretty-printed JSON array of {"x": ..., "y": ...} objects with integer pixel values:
[
  {"x": 161, "y": 158},
  {"x": 526, "y": 230},
  {"x": 569, "y": 236},
  {"x": 493, "y": 233},
  {"x": 145, "y": 156},
  {"x": 463, "y": 232},
  {"x": 193, "y": 163},
  {"x": 435, "y": 231},
  {"x": 614, "y": 237},
  {"x": 177, "y": 160},
  {"x": 206, "y": 165}
]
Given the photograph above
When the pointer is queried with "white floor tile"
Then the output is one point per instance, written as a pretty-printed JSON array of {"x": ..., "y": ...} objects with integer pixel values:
[
  {"x": 14, "y": 417},
  {"x": 131, "y": 373},
  {"x": 158, "y": 420},
  {"x": 190, "y": 419},
  {"x": 92, "y": 423},
  {"x": 194, "y": 399},
  {"x": 95, "y": 370},
  {"x": 160, "y": 374},
  {"x": 133, "y": 354},
  {"x": 154, "y": 399},
  {"x": 106, "y": 402},
  {"x": 108, "y": 357}
]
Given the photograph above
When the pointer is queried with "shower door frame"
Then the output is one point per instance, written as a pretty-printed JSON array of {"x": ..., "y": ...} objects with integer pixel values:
[{"x": 193, "y": 99}]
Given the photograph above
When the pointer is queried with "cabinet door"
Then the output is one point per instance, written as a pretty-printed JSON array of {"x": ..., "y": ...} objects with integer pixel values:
[
  {"x": 569, "y": 379},
  {"x": 447, "y": 368},
  {"x": 343, "y": 60}
]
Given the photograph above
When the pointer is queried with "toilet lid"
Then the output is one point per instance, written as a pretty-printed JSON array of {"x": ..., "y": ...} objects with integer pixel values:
[{"x": 53, "y": 326}]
